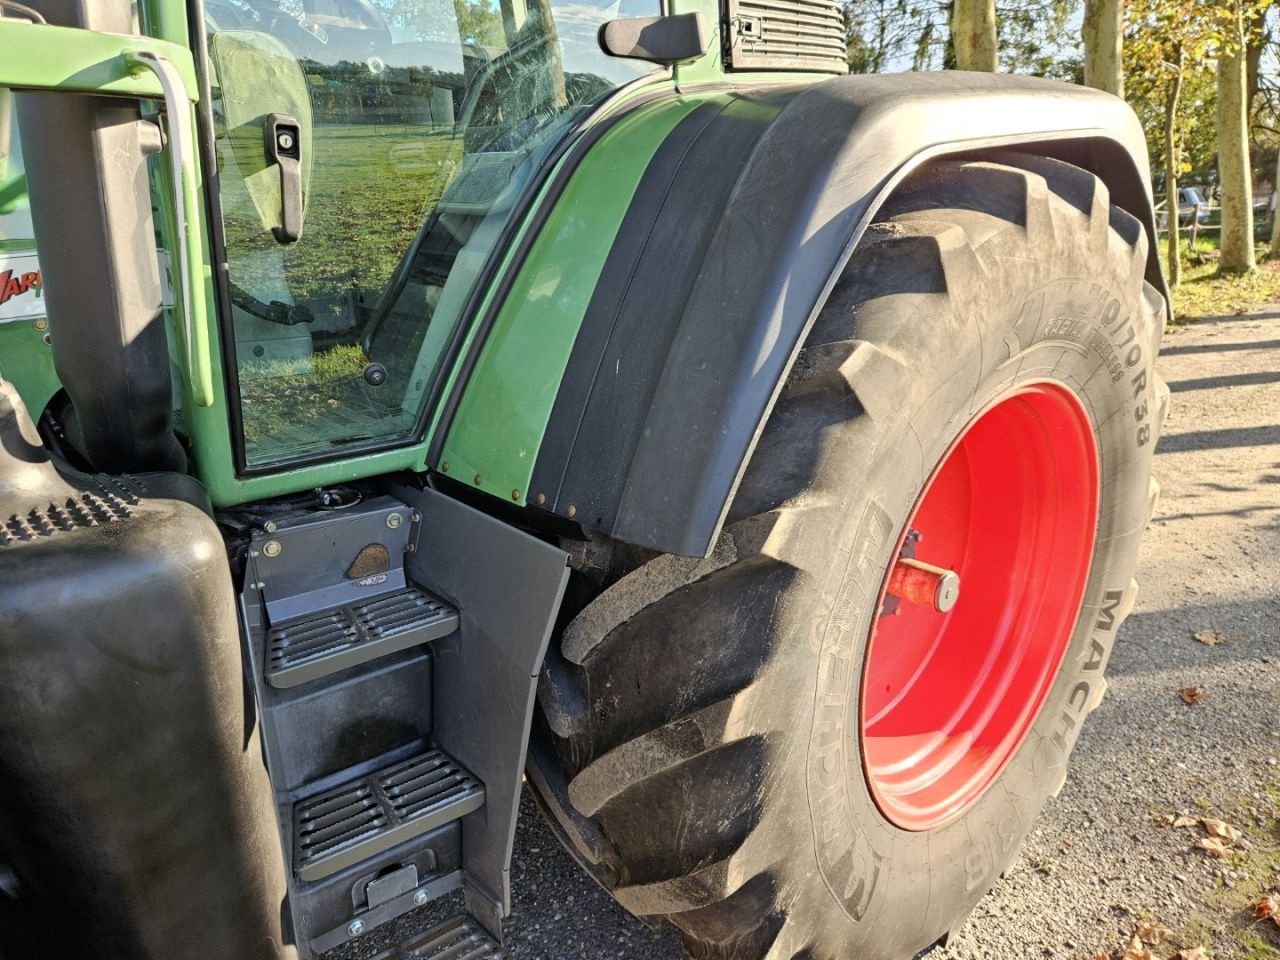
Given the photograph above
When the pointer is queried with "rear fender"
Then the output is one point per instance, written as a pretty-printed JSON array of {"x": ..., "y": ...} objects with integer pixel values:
[{"x": 659, "y": 409}]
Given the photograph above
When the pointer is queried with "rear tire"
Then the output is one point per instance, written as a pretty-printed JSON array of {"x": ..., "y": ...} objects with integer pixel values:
[{"x": 699, "y": 744}]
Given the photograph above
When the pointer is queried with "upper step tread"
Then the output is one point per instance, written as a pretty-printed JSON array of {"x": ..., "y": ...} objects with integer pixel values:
[
  {"x": 459, "y": 938},
  {"x": 364, "y": 817},
  {"x": 305, "y": 649}
]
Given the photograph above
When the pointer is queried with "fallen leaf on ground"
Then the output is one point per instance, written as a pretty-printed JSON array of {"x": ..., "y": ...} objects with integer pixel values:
[
  {"x": 1195, "y": 953},
  {"x": 1136, "y": 950},
  {"x": 1212, "y": 846},
  {"x": 1268, "y": 908},
  {"x": 1192, "y": 695},
  {"x": 1149, "y": 931},
  {"x": 1221, "y": 830},
  {"x": 1210, "y": 638},
  {"x": 1185, "y": 822}
]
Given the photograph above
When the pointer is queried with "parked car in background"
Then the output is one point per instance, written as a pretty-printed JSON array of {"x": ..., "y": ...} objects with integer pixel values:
[{"x": 1191, "y": 206}]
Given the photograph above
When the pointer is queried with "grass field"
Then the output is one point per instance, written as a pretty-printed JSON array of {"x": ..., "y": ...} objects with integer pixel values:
[
  {"x": 1205, "y": 292},
  {"x": 372, "y": 187}
]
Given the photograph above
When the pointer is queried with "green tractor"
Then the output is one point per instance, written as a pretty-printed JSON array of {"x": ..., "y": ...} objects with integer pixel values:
[{"x": 405, "y": 401}]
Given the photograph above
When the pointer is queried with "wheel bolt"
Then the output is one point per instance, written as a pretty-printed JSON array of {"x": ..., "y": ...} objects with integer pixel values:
[{"x": 924, "y": 584}]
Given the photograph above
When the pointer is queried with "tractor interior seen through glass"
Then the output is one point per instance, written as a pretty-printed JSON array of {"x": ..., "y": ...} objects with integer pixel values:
[{"x": 412, "y": 126}]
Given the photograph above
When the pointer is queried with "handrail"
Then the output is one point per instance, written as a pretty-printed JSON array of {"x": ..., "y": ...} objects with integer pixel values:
[{"x": 182, "y": 152}]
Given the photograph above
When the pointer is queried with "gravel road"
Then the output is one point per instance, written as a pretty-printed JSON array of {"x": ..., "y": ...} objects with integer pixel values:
[{"x": 1097, "y": 864}]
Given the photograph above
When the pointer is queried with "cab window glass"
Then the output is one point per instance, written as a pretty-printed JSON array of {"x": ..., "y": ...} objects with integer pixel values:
[{"x": 418, "y": 123}]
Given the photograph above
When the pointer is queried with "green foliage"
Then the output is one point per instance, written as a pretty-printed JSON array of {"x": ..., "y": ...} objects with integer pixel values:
[{"x": 886, "y": 35}]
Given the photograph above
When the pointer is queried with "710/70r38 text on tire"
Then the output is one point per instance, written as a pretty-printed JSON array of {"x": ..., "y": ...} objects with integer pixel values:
[{"x": 763, "y": 747}]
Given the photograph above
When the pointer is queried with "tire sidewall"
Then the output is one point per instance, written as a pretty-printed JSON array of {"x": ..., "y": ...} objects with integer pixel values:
[{"x": 1093, "y": 337}]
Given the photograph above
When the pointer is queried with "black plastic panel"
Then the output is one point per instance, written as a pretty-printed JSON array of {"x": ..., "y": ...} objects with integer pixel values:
[{"x": 136, "y": 820}]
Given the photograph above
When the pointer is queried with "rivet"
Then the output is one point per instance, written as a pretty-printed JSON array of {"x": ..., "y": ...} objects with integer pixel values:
[
  {"x": 42, "y": 324},
  {"x": 515, "y": 495},
  {"x": 271, "y": 548},
  {"x": 571, "y": 512},
  {"x": 355, "y": 928},
  {"x": 540, "y": 499},
  {"x": 394, "y": 520},
  {"x": 444, "y": 467},
  {"x": 420, "y": 898},
  {"x": 415, "y": 516},
  {"x": 270, "y": 526},
  {"x": 478, "y": 478}
]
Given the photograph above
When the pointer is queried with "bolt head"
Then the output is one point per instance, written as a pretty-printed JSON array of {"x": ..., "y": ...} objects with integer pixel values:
[
  {"x": 270, "y": 526},
  {"x": 394, "y": 520},
  {"x": 271, "y": 548},
  {"x": 948, "y": 591},
  {"x": 420, "y": 898},
  {"x": 355, "y": 928}
]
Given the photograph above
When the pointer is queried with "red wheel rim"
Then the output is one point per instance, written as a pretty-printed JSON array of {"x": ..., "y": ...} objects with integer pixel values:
[{"x": 948, "y": 697}]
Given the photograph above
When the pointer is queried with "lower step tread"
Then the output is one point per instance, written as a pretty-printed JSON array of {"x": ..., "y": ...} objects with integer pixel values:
[
  {"x": 364, "y": 817},
  {"x": 460, "y": 938}
]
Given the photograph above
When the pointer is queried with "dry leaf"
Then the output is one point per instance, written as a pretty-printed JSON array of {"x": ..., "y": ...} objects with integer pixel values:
[
  {"x": 1164, "y": 820},
  {"x": 1195, "y": 953},
  {"x": 1149, "y": 931},
  {"x": 1210, "y": 638},
  {"x": 1192, "y": 695},
  {"x": 1268, "y": 908},
  {"x": 1186, "y": 822},
  {"x": 1212, "y": 846},
  {"x": 1136, "y": 950},
  {"x": 1221, "y": 830}
]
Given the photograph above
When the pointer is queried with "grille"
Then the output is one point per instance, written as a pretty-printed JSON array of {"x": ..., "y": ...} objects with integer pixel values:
[
  {"x": 316, "y": 646},
  {"x": 786, "y": 35},
  {"x": 362, "y": 819}
]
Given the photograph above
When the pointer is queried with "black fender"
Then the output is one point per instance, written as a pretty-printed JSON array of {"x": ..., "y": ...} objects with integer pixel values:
[{"x": 738, "y": 231}]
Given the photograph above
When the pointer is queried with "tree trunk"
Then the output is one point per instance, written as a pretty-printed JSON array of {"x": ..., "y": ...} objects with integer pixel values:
[
  {"x": 1233, "y": 153},
  {"x": 1275, "y": 210},
  {"x": 1103, "y": 29},
  {"x": 973, "y": 32},
  {"x": 1171, "y": 167}
]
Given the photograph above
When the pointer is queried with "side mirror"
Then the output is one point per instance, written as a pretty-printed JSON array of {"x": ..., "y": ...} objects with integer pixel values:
[{"x": 266, "y": 114}]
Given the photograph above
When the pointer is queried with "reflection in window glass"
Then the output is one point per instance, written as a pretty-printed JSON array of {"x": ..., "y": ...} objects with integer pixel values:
[{"x": 421, "y": 120}]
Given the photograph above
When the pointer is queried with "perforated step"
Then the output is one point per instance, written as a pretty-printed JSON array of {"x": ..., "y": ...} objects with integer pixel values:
[
  {"x": 458, "y": 939},
  {"x": 311, "y": 647},
  {"x": 367, "y": 816}
]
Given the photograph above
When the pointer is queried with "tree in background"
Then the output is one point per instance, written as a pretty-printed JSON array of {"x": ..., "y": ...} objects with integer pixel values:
[
  {"x": 1103, "y": 32},
  {"x": 973, "y": 34},
  {"x": 1170, "y": 86},
  {"x": 887, "y": 35},
  {"x": 1233, "y": 142}
]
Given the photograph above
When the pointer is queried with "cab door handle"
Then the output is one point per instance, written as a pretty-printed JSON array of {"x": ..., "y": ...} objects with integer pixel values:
[{"x": 282, "y": 138}]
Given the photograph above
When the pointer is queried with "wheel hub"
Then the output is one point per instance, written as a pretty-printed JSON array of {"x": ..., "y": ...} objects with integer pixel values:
[{"x": 953, "y": 681}]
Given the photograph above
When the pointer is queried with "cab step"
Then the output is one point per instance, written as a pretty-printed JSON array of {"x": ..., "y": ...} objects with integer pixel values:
[
  {"x": 315, "y": 646},
  {"x": 372, "y": 814},
  {"x": 460, "y": 938}
]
